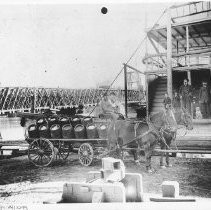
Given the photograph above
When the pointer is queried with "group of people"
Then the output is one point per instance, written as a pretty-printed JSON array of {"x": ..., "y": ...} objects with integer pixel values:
[{"x": 183, "y": 99}]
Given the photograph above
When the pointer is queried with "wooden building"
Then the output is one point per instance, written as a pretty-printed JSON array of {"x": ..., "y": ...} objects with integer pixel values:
[{"x": 182, "y": 49}]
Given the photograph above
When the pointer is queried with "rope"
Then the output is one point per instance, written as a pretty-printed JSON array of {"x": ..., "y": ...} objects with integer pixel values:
[{"x": 135, "y": 51}]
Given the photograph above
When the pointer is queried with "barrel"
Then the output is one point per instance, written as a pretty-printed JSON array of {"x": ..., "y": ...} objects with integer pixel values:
[
  {"x": 103, "y": 131},
  {"x": 86, "y": 121},
  {"x": 55, "y": 131},
  {"x": 91, "y": 131},
  {"x": 32, "y": 131},
  {"x": 52, "y": 120},
  {"x": 75, "y": 121},
  {"x": 40, "y": 121},
  {"x": 64, "y": 121},
  {"x": 80, "y": 132},
  {"x": 68, "y": 132},
  {"x": 44, "y": 131}
]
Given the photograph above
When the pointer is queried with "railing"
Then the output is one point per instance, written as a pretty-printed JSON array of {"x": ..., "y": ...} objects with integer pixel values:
[
  {"x": 180, "y": 60},
  {"x": 14, "y": 99},
  {"x": 182, "y": 12}
]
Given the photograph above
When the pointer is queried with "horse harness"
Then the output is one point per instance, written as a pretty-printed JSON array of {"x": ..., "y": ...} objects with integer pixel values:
[{"x": 152, "y": 129}]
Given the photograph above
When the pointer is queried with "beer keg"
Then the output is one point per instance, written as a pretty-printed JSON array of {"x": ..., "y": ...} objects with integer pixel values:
[
  {"x": 80, "y": 132},
  {"x": 55, "y": 131},
  {"x": 68, "y": 132}
]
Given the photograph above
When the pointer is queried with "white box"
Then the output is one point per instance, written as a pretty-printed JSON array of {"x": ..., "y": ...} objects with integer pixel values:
[{"x": 170, "y": 189}]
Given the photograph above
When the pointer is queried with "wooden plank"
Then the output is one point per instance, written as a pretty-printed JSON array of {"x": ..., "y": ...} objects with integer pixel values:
[
  {"x": 29, "y": 115},
  {"x": 199, "y": 139},
  {"x": 13, "y": 143},
  {"x": 169, "y": 55},
  {"x": 172, "y": 150},
  {"x": 125, "y": 77},
  {"x": 184, "y": 151},
  {"x": 162, "y": 199},
  {"x": 178, "y": 24},
  {"x": 131, "y": 67},
  {"x": 156, "y": 49}
]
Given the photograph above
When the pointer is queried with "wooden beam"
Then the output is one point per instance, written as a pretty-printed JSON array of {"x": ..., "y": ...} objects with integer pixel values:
[
  {"x": 131, "y": 67},
  {"x": 182, "y": 5},
  {"x": 169, "y": 55},
  {"x": 151, "y": 35},
  {"x": 195, "y": 52},
  {"x": 191, "y": 14},
  {"x": 195, "y": 67},
  {"x": 156, "y": 49},
  {"x": 125, "y": 74},
  {"x": 183, "y": 151},
  {"x": 187, "y": 50},
  {"x": 156, "y": 72},
  {"x": 189, "y": 22}
]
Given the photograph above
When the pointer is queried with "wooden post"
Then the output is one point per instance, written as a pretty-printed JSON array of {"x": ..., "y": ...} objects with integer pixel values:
[
  {"x": 210, "y": 69},
  {"x": 177, "y": 52},
  {"x": 147, "y": 95},
  {"x": 169, "y": 54},
  {"x": 146, "y": 76},
  {"x": 187, "y": 51},
  {"x": 33, "y": 101},
  {"x": 125, "y": 73}
]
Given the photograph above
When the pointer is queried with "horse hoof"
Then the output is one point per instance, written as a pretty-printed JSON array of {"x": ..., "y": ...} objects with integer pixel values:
[
  {"x": 162, "y": 167},
  {"x": 169, "y": 165}
]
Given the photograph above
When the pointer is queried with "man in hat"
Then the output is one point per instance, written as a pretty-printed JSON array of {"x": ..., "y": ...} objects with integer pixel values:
[
  {"x": 185, "y": 92},
  {"x": 204, "y": 99}
]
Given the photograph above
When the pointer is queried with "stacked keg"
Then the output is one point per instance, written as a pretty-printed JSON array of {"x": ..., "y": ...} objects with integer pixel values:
[{"x": 67, "y": 128}]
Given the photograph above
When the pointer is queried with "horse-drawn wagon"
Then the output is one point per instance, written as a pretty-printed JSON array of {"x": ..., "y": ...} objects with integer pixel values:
[{"x": 56, "y": 137}]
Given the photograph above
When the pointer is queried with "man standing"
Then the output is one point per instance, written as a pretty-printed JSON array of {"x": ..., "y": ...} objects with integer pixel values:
[
  {"x": 185, "y": 92},
  {"x": 204, "y": 99}
]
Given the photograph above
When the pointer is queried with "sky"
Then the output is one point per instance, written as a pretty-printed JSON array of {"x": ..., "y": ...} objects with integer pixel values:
[{"x": 71, "y": 45}]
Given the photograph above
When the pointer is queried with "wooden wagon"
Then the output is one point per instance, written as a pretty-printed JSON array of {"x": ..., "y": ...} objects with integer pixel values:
[{"x": 42, "y": 151}]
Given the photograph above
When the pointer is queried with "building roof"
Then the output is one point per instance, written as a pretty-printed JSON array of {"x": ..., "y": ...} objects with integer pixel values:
[{"x": 199, "y": 26}]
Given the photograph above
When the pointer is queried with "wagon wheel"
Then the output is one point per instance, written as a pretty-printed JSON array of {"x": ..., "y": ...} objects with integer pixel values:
[
  {"x": 63, "y": 150},
  {"x": 85, "y": 154},
  {"x": 181, "y": 130},
  {"x": 41, "y": 152}
]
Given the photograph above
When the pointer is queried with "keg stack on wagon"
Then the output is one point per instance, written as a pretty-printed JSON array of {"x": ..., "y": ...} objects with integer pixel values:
[{"x": 56, "y": 127}]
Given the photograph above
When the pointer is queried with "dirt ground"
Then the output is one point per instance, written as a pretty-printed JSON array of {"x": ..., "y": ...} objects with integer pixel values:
[{"x": 21, "y": 182}]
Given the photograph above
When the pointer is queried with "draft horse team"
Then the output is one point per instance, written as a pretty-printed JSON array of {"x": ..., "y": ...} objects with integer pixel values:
[{"x": 160, "y": 129}]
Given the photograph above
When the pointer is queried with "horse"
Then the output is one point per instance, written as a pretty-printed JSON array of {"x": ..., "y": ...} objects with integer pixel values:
[{"x": 161, "y": 128}]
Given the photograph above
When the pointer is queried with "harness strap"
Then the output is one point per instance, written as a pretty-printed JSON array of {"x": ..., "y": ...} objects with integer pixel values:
[
  {"x": 138, "y": 137},
  {"x": 159, "y": 133},
  {"x": 162, "y": 138}
]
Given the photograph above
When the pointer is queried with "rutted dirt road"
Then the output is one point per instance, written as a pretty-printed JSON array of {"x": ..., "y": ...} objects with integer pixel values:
[{"x": 21, "y": 182}]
